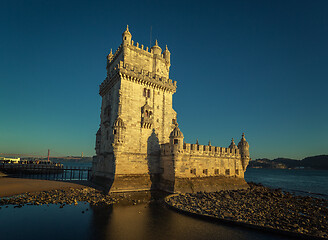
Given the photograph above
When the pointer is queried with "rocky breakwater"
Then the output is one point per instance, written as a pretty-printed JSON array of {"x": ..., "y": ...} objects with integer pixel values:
[
  {"x": 70, "y": 196},
  {"x": 260, "y": 207}
]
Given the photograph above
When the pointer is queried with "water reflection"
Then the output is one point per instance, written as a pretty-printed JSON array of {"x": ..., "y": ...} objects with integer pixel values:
[
  {"x": 119, "y": 221},
  {"x": 154, "y": 221}
]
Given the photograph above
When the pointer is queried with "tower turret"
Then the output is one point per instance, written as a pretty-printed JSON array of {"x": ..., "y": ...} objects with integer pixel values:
[
  {"x": 243, "y": 147},
  {"x": 232, "y": 144},
  {"x": 109, "y": 59},
  {"x": 126, "y": 36},
  {"x": 110, "y": 55},
  {"x": 156, "y": 50},
  {"x": 176, "y": 139},
  {"x": 167, "y": 55}
]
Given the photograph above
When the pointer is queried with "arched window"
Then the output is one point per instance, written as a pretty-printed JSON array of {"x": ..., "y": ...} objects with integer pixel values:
[
  {"x": 148, "y": 93},
  {"x": 146, "y": 113}
]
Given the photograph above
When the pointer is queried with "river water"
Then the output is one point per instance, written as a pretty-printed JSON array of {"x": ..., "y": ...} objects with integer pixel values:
[
  {"x": 144, "y": 221},
  {"x": 299, "y": 181}
]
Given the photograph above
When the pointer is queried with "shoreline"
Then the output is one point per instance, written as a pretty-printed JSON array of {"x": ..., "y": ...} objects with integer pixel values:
[
  {"x": 10, "y": 187},
  {"x": 20, "y": 192},
  {"x": 259, "y": 208}
]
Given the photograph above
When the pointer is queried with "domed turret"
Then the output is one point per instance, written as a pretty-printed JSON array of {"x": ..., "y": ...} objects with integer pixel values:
[
  {"x": 110, "y": 55},
  {"x": 109, "y": 59},
  {"x": 167, "y": 55},
  {"x": 232, "y": 144},
  {"x": 156, "y": 50},
  {"x": 176, "y": 139},
  {"x": 176, "y": 133},
  {"x": 126, "y": 36},
  {"x": 243, "y": 147}
]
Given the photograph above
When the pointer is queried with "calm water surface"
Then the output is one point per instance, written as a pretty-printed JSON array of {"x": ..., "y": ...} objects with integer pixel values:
[
  {"x": 301, "y": 181},
  {"x": 142, "y": 221}
]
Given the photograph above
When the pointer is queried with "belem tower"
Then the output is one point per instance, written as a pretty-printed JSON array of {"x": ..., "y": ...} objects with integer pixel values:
[{"x": 139, "y": 145}]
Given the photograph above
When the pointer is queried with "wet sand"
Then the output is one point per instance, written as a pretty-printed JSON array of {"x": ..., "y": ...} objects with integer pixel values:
[{"x": 14, "y": 186}]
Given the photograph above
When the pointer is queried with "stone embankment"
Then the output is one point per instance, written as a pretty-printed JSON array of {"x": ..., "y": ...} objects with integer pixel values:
[
  {"x": 259, "y": 207},
  {"x": 67, "y": 197}
]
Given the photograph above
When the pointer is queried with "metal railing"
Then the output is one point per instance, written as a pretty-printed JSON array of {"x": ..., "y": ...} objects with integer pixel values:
[{"x": 48, "y": 172}]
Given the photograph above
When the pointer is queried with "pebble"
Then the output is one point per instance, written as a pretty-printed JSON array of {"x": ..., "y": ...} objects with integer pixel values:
[{"x": 260, "y": 206}]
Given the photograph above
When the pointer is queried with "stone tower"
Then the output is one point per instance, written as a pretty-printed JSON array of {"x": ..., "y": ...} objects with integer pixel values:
[
  {"x": 139, "y": 145},
  {"x": 136, "y": 114}
]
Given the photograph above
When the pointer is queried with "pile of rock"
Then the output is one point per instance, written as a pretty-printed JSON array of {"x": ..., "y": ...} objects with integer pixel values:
[
  {"x": 62, "y": 197},
  {"x": 261, "y": 206}
]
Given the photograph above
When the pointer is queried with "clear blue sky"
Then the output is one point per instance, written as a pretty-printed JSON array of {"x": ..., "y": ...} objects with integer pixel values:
[{"x": 259, "y": 67}]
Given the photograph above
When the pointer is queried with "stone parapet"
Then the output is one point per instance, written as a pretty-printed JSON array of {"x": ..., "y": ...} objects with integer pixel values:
[{"x": 201, "y": 150}]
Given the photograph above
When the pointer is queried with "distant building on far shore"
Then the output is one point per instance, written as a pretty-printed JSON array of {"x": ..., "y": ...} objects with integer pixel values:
[
  {"x": 9, "y": 160},
  {"x": 139, "y": 145}
]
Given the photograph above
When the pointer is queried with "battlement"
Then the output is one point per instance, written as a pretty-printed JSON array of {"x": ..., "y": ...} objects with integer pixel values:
[
  {"x": 141, "y": 50},
  {"x": 134, "y": 73},
  {"x": 149, "y": 66},
  {"x": 201, "y": 150}
]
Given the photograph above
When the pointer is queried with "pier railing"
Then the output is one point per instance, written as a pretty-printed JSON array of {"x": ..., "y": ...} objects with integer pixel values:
[{"x": 48, "y": 172}]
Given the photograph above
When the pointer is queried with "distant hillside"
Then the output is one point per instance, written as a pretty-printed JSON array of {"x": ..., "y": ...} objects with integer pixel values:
[{"x": 315, "y": 162}]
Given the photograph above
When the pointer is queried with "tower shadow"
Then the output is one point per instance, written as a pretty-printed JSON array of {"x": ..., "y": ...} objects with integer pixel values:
[{"x": 153, "y": 160}]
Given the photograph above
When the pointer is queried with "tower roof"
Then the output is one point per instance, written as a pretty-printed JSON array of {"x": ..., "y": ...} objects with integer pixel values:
[
  {"x": 176, "y": 133},
  {"x": 243, "y": 141},
  {"x": 156, "y": 48},
  {"x": 127, "y": 30},
  {"x": 232, "y": 144},
  {"x": 166, "y": 49},
  {"x": 110, "y": 55}
]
